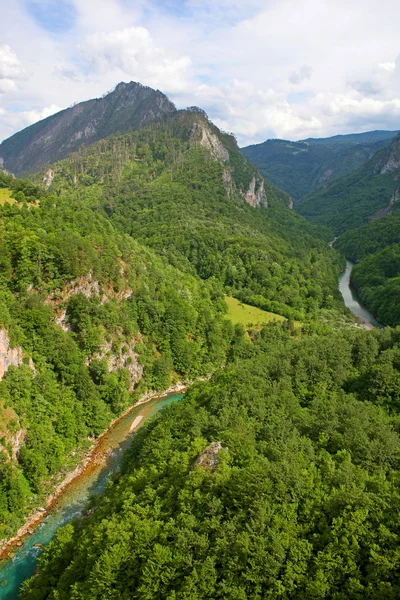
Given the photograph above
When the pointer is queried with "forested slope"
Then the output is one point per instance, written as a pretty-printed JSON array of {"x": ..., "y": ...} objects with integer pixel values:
[
  {"x": 300, "y": 168},
  {"x": 369, "y": 193},
  {"x": 89, "y": 318},
  {"x": 277, "y": 479},
  {"x": 183, "y": 188},
  {"x": 375, "y": 248}
]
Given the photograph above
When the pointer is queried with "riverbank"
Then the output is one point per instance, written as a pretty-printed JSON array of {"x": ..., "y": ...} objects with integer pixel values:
[
  {"x": 92, "y": 457},
  {"x": 365, "y": 318}
]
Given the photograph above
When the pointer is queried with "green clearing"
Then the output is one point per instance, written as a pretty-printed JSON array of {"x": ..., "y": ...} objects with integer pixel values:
[
  {"x": 5, "y": 196},
  {"x": 245, "y": 314}
]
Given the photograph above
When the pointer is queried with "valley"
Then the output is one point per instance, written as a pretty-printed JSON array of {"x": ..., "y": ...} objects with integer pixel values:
[{"x": 151, "y": 252}]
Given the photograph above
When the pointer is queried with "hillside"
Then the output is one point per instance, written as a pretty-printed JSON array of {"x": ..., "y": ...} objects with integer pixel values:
[
  {"x": 114, "y": 264},
  {"x": 369, "y": 193},
  {"x": 299, "y": 168},
  {"x": 183, "y": 188},
  {"x": 375, "y": 248},
  {"x": 277, "y": 479},
  {"x": 89, "y": 320},
  {"x": 128, "y": 106}
]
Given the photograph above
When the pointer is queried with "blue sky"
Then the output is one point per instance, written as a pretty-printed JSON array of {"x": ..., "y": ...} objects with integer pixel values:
[{"x": 261, "y": 68}]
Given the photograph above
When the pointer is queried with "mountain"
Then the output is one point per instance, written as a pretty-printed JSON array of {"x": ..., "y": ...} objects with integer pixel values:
[
  {"x": 114, "y": 266},
  {"x": 128, "y": 106},
  {"x": 183, "y": 188},
  {"x": 298, "y": 168},
  {"x": 114, "y": 263},
  {"x": 367, "y": 194}
]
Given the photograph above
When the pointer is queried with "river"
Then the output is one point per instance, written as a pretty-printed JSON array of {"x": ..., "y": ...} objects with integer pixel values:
[
  {"x": 351, "y": 300},
  {"x": 73, "y": 500}
]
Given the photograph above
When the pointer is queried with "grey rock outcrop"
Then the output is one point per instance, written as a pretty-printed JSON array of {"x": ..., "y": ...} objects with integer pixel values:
[
  {"x": 208, "y": 459},
  {"x": 256, "y": 195},
  {"x": 8, "y": 356},
  {"x": 129, "y": 106}
]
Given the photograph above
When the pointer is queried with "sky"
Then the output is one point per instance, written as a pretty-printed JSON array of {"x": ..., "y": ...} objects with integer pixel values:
[{"x": 263, "y": 69}]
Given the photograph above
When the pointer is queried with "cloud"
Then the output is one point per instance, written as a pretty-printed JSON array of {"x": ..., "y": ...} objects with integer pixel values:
[
  {"x": 10, "y": 67},
  {"x": 15, "y": 120},
  {"x": 262, "y": 68},
  {"x": 387, "y": 66},
  {"x": 301, "y": 74},
  {"x": 132, "y": 53},
  {"x": 10, "y": 70}
]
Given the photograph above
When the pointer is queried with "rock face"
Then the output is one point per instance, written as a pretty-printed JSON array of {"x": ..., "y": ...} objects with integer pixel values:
[
  {"x": 203, "y": 134},
  {"x": 125, "y": 358},
  {"x": 8, "y": 356},
  {"x": 255, "y": 195},
  {"x": 206, "y": 138},
  {"x": 129, "y": 106},
  {"x": 208, "y": 459},
  {"x": 48, "y": 178}
]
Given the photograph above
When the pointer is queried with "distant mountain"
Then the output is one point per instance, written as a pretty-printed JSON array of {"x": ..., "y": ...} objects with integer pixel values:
[
  {"x": 369, "y": 193},
  {"x": 368, "y": 137},
  {"x": 129, "y": 106},
  {"x": 299, "y": 168}
]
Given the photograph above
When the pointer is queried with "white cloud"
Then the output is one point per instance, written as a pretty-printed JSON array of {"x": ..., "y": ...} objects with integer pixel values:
[
  {"x": 387, "y": 66},
  {"x": 262, "y": 68},
  {"x": 12, "y": 121},
  {"x": 301, "y": 74},
  {"x": 10, "y": 67},
  {"x": 131, "y": 53},
  {"x": 10, "y": 70}
]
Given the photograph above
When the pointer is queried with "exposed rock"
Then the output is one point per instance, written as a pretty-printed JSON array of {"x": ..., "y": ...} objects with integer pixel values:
[
  {"x": 255, "y": 195},
  {"x": 8, "y": 356},
  {"x": 325, "y": 176},
  {"x": 391, "y": 165},
  {"x": 127, "y": 358},
  {"x": 203, "y": 135},
  {"x": 129, "y": 106},
  {"x": 48, "y": 178},
  {"x": 386, "y": 210},
  {"x": 11, "y": 356},
  {"x": 208, "y": 459},
  {"x": 227, "y": 181},
  {"x": 87, "y": 286},
  {"x": 17, "y": 441}
]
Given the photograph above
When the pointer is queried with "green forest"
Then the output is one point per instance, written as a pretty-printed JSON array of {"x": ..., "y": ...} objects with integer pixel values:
[
  {"x": 300, "y": 168},
  {"x": 300, "y": 500},
  {"x": 375, "y": 248},
  {"x": 276, "y": 478},
  {"x": 167, "y": 193},
  {"x": 157, "y": 324},
  {"x": 351, "y": 201}
]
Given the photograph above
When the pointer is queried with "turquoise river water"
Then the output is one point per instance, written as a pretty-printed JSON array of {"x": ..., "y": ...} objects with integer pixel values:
[{"x": 72, "y": 501}]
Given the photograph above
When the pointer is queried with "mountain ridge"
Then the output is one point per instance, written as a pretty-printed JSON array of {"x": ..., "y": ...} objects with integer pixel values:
[
  {"x": 128, "y": 106},
  {"x": 301, "y": 167},
  {"x": 371, "y": 192}
]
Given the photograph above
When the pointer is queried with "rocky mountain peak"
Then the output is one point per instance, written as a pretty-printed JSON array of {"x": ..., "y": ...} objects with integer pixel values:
[{"x": 129, "y": 106}]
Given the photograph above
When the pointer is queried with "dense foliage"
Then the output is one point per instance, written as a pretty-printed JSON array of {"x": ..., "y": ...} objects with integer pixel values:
[
  {"x": 302, "y": 503},
  {"x": 130, "y": 322},
  {"x": 299, "y": 168},
  {"x": 169, "y": 193},
  {"x": 350, "y": 201},
  {"x": 375, "y": 248}
]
